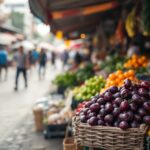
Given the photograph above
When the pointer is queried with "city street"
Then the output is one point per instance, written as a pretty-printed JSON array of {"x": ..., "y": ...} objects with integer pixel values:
[{"x": 16, "y": 109}]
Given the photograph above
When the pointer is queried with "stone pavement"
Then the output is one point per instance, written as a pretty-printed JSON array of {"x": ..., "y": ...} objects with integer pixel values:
[{"x": 24, "y": 137}]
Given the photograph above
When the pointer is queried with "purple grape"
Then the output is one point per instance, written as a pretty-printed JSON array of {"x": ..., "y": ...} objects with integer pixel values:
[
  {"x": 146, "y": 106},
  {"x": 108, "y": 96},
  {"x": 108, "y": 107},
  {"x": 124, "y": 117},
  {"x": 123, "y": 125},
  {"x": 83, "y": 119},
  {"x": 99, "y": 117},
  {"x": 125, "y": 93},
  {"x": 88, "y": 104},
  {"x": 118, "y": 101},
  {"x": 116, "y": 112},
  {"x": 113, "y": 89},
  {"x": 124, "y": 106},
  {"x": 134, "y": 124},
  {"x": 85, "y": 110},
  {"x": 136, "y": 98},
  {"x": 131, "y": 115},
  {"x": 143, "y": 92},
  {"x": 108, "y": 118},
  {"x": 102, "y": 106},
  {"x": 137, "y": 118},
  {"x": 145, "y": 84},
  {"x": 101, "y": 122},
  {"x": 95, "y": 107},
  {"x": 133, "y": 107},
  {"x": 116, "y": 95},
  {"x": 146, "y": 120},
  {"x": 142, "y": 112},
  {"x": 101, "y": 101},
  {"x": 89, "y": 111},
  {"x": 127, "y": 83},
  {"x": 102, "y": 112},
  {"x": 93, "y": 121},
  {"x": 92, "y": 114}
]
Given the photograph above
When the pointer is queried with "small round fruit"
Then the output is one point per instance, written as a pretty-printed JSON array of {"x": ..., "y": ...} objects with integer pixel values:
[
  {"x": 113, "y": 89},
  {"x": 124, "y": 106},
  {"x": 102, "y": 112},
  {"x": 146, "y": 106},
  {"x": 108, "y": 96},
  {"x": 127, "y": 83},
  {"x": 142, "y": 112},
  {"x": 133, "y": 107},
  {"x": 95, "y": 107},
  {"x": 146, "y": 120},
  {"x": 123, "y": 125},
  {"x": 83, "y": 119},
  {"x": 108, "y": 118},
  {"x": 118, "y": 101},
  {"x": 93, "y": 121},
  {"x": 116, "y": 112},
  {"x": 108, "y": 107},
  {"x": 101, "y": 122},
  {"x": 101, "y": 101},
  {"x": 143, "y": 92},
  {"x": 134, "y": 124},
  {"x": 136, "y": 98},
  {"x": 137, "y": 118},
  {"x": 116, "y": 95}
]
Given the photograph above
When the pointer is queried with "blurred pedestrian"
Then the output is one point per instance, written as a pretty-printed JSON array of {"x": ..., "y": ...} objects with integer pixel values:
[
  {"x": 22, "y": 63},
  {"x": 42, "y": 63},
  {"x": 35, "y": 56},
  {"x": 3, "y": 62},
  {"x": 53, "y": 57}
]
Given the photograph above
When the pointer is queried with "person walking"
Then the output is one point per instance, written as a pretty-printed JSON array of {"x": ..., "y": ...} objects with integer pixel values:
[
  {"x": 22, "y": 63},
  {"x": 3, "y": 62},
  {"x": 42, "y": 63}
]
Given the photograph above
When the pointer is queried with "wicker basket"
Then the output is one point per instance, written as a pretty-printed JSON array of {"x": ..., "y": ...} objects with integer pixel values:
[
  {"x": 38, "y": 119},
  {"x": 109, "y": 138},
  {"x": 69, "y": 144}
]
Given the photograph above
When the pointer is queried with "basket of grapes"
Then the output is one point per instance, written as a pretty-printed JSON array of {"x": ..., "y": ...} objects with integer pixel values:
[{"x": 116, "y": 119}]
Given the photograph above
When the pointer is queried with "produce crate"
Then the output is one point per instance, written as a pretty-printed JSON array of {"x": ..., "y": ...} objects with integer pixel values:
[
  {"x": 54, "y": 131},
  {"x": 69, "y": 144},
  {"x": 108, "y": 138}
]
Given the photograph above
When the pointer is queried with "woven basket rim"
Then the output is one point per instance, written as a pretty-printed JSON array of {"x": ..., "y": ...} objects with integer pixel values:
[{"x": 142, "y": 128}]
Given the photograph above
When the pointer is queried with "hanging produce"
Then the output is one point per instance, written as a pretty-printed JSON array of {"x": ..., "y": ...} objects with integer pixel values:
[{"x": 130, "y": 23}]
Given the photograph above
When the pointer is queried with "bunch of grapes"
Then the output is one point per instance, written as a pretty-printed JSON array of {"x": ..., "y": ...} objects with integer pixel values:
[{"x": 125, "y": 107}]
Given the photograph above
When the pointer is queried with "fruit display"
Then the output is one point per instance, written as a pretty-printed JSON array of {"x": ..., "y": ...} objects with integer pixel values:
[
  {"x": 89, "y": 88},
  {"x": 117, "y": 78},
  {"x": 113, "y": 63},
  {"x": 124, "y": 107},
  {"x": 136, "y": 62},
  {"x": 84, "y": 73},
  {"x": 66, "y": 80}
]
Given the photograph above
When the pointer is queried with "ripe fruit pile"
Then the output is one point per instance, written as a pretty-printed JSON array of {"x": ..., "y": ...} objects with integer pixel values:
[
  {"x": 117, "y": 78},
  {"x": 136, "y": 62},
  {"x": 90, "y": 88},
  {"x": 125, "y": 107}
]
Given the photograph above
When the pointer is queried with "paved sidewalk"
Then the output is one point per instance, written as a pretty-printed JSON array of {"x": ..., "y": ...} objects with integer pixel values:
[{"x": 24, "y": 137}]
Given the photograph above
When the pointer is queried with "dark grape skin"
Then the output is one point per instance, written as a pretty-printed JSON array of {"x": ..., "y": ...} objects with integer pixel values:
[
  {"x": 143, "y": 92},
  {"x": 118, "y": 101},
  {"x": 136, "y": 98},
  {"x": 145, "y": 84},
  {"x": 93, "y": 121},
  {"x": 108, "y": 107},
  {"x": 142, "y": 112},
  {"x": 95, "y": 107},
  {"x": 127, "y": 83},
  {"x": 92, "y": 114},
  {"x": 101, "y": 122},
  {"x": 101, "y": 101},
  {"x": 102, "y": 112},
  {"x": 123, "y": 125},
  {"x": 85, "y": 111},
  {"x": 113, "y": 89},
  {"x": 125, "y": 93},
  {"x": 146, "y": 106},
  {"x": 108, "y": 119},
  {"x": 100, "y": 117},
  {"x": 131, "y": 115},
  {"x": 138, "y": 118},
  {"x": 135, "y": 124},
  {"x": 83, "y": 119},
  {"x": 124, "y": 105},
  {"x": 108, "y": 96},
  {"x": 133, "y": 107},
  {"x": 124, "y": 117},
  {"x": 116, "y": 112},
  {"x": 116, "y": 95},
  {"x": 88, "y": 104},
  {"x": 146, "y": 120}
]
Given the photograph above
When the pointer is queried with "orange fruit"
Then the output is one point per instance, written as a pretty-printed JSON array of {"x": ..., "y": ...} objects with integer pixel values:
[
  {"x": 112, "y": 76},
  {"x": 119, "y": 72},
  {"x": 131, "y": 72}
]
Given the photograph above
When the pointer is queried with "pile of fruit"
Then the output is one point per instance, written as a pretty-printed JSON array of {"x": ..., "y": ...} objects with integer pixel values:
[
  {"x": 117, "y": 78},
  {"x": 125, "y": 107},
  {"x": 136, "y": 62},
  {"x": 90, "y": 88}
]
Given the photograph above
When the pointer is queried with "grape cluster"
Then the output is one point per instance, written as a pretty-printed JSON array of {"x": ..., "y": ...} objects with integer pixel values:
[{"x": 125, "y": 107}]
